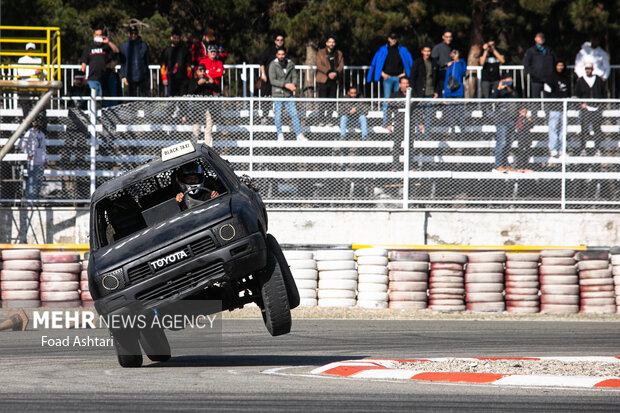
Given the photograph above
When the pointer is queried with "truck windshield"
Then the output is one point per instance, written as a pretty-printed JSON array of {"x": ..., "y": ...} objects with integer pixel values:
[{"x": 155, "y": 199}]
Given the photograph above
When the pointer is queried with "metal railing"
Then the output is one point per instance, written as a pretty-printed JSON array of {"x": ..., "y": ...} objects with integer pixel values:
[
  {"x": 49, "y": 51},
  {"x": 419, "y": 153}
]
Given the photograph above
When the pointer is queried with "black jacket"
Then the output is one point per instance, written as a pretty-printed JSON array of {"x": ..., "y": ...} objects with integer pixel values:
[
  {"x": 540, "y": 66},
  {"x": 597, "y": 91},
  {"x": 361, "y": 108},
  {"x": 559, "y": 84},
  {"x": 418, "y": 78}
]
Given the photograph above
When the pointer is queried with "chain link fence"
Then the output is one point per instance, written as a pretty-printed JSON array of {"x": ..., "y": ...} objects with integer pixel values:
[{"x": 328, "y": 153}]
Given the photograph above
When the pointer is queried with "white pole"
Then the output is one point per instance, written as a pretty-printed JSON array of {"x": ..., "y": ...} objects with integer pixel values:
[{"x": 407, "y": 138}]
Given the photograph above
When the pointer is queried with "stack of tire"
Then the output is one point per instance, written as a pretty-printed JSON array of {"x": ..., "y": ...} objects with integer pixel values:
[
  {"x": 484, "y": 281},
  {"x": 408, "y": 277},
  {"x": 446, "y": 282},
  {"x": 521, "y": 283},
  {"x": 337, "y": 278},
  {"x": 372, "y": 283},
  {"x": 87, "y": 299},
  {"x": 303, "y": 268},
  {"x": 60, "y": 277},
  {"x": 559, "y": 284},
  {"x": 596, "y": 285},
  {"x": 615, "y": 271},
  {"x": 19, "y": 278}
]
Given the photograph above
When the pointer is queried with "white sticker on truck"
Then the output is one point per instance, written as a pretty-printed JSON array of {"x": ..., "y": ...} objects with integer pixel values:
[{"x": 177, "y": 150}]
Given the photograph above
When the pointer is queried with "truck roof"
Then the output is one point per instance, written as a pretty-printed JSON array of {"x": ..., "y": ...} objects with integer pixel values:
[{"x": 147, "y": 170}]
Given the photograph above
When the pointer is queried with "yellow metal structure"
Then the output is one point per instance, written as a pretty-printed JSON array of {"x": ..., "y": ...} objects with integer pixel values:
[{"x": 49, "y": 51}]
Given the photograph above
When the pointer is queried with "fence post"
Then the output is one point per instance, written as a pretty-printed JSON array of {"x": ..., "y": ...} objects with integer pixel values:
[
  {"x": 92, "y": 129},
  {"x": 251, "y": 164},
  {"x": 564, "y": 151},
  {"x": 407, "y": 139}
]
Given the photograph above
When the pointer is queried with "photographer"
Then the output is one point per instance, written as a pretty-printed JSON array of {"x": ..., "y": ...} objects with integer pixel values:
[
  {"x": 96, "y": 56},
  {"x": 490, "y": 60}
]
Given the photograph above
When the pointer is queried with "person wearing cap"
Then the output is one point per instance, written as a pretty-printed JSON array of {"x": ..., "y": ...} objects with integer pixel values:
[
  {"x": 391, "y": 62},
  {"x": 24, "y": 73},
  {"x": 135, "y": 59},
  {"x": 214, "y": 69},
  {"x": 96, "y": 56},
  {"x": 199, "y": 47},
  {"x": 441, "y": 53},
  {"x": 590, "y": 86}
]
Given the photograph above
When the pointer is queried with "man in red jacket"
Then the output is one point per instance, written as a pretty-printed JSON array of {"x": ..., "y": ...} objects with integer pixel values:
[{"x": 214, "y": 70}]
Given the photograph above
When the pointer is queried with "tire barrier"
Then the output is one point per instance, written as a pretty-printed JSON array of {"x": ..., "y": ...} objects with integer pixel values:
[
  {"x": 615, "y": 272},
  {"x": 556, "y": 281},
  {"x": 408, "y": 280},
  {"x": 60, "y": 277},
  {"x": 596, "y": 283},
  {"x": 372, "y": 283},
  {"x": 484, "y": 286},
  {"x": 337, "y": 285},
  {"x": 521, "y": 283},
  {"x": 19, "y": 278},
  {"x": 303, "y": 268},
  {"x": 87, "y": 299},
  {"x": 446, "y": 282}
]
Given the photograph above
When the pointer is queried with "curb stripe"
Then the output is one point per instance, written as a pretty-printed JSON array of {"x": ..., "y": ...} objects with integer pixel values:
[
  {"x": 348, "y": 371},
  {"x": 459, "y": 377},
  {"x": 608, "y": 383}
]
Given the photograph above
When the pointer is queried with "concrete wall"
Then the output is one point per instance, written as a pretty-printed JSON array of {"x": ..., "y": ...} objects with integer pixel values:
[{"x": 70, "y": 225}]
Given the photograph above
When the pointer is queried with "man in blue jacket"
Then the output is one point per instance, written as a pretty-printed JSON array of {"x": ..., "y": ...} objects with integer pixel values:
[
  {"x": 135, "y": 64},
  {"x": 391, "y": 62}
]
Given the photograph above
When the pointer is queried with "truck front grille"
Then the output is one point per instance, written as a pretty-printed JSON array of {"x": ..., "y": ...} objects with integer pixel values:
[
  {"x": 139, "y": 273},
  {"x": 181, "y": 284}
]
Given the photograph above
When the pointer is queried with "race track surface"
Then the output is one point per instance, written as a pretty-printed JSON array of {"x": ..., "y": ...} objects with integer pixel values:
[{"x": 255, "y": 372}]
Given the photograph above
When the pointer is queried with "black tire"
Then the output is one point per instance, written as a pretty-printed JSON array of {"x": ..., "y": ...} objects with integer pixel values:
[
  {"x": 155, "y": 344},
  {"x": 276, "y": 311},
  {"x": 287, "y": 275},
  {"x": 127, "y": 347}
]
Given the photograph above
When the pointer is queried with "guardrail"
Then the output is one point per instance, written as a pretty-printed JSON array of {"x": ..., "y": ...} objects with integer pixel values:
[
  {"x": 49, "y": 51},
  {"x": 241, "y": 80},
  {"x": 420, "y": 154}
]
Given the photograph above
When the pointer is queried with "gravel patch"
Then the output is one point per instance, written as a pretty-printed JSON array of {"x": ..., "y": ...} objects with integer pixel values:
[{"x": 524, "y": 367}]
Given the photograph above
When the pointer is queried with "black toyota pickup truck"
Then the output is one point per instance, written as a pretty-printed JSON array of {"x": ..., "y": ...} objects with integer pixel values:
[{"x": 183, "y": 227}]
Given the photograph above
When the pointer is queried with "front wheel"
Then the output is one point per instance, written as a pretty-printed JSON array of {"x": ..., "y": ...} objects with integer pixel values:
[
  {"x": 287, "y": 275},
  {"x": 155, "y": 344},
  {"x": 275, "y": 310},
  {"x": 127, "y": 347}
]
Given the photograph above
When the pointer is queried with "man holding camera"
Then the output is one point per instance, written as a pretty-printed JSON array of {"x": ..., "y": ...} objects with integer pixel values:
[
  {"x": 96, "y": 56},
  {"x": 490, "y": 60}
]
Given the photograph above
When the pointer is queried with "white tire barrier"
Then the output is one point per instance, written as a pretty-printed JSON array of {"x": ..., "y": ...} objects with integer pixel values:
[
  {"x": 558, "y": 309},
  {"x": 19, "y": 295},
  {"x": 345, "y": 294},
  {"x": 521, "y": 271},
  {"x": 481, "y": 307},
  {"x": 593, "y": 265},
  {"x": 306, "y": 293},
  {"x": 60, "y": 296},
  {"x": 407, "y": 276},
  {"x": 85, "y": 296},
  {"x": 408, "y": 286},
  {"x": 379, "y": 305},
  {"x": 558, "y": 261},
  {"x": 22, "y": 265},
  {"x": 484, "y": 287},
  {"x": 521, "y": 283},
  {"x": 335, "y": 265},
  {"x": 408, "y": 280},
  {"x": 336, "y": 302},
  {"x": 372, "y": 269},
  {"x": 334, "y": 255},
  {"x": 362, "y": 252},
  {"x": 19, "y": 286},
  {"x": 372, "y": 278},
  {"x": 308, "y": 302},
  {"x": 372, "y": 260},
  {"x": 372, "y": 296},
  {"x": 496, "y": 277},
  {"x": 58, "y": 276},
  {"x": 372, "y": 287},
  {"x": 60, "y": 286},
  {"x": 84, "y": 285},
  {"x": 304, "y": 274},
  {"x": 491, "y": 256},
  {"x": 338, "y": 275},
  {"x": 409, "y": 256},
  {"x": 61, "y": 257},
  {"x": 407, "y": 305},
  {"x": 447, "y": 256},
  {"x": 298, "y": 255},
  {"x": 408, "y": 266},
  {"x": 301, "y": 264},
  {"x": 75, "y": 267},
  {"x": 21, "y": 254},
  {"x": 522, "y": 256},
  {"x": 563, "y": 299},
  {"x": 408, "y": 296},
  {"x": 84, "y": 275},
  {"x": 485, "y": 267},
  {"x": 446, "y": 266},
  {"x": 557, "y": 253},
  {"x": 306, "y": 284},
  {"x": 10, "y": 275},
  {"x": 522, "y": 265}
]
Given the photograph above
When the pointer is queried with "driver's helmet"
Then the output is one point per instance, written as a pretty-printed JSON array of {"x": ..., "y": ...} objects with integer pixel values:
[{"x": 191, "y": 178}]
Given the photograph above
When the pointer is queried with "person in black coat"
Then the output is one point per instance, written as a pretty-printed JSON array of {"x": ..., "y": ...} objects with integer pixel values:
[
  {"x": 426, "y": 84},
  {"x": 590, "y": 86},
  {"x": 538, "y": 62},
  {"x": 557, "y": 87}
]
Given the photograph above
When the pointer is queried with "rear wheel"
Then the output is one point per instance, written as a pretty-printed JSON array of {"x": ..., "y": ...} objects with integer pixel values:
[
  {"x": 291, "y": 288},
  {"x": 127, "y": 347},
  {"x": 155, "y": 344},
  {"x": 275, "y": 310}
]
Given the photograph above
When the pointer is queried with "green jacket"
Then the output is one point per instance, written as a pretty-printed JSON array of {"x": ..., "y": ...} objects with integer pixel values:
[{"x": 278, "y": 78}]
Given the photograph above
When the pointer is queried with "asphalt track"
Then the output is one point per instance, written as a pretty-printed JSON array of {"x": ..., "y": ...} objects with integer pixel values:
[{"x": 256, "y": 372}]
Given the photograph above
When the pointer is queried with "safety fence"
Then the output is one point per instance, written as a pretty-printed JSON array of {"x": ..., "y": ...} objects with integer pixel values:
[
  {"x": 243, "y": 80},
  {"x": 363, "y": 153}
]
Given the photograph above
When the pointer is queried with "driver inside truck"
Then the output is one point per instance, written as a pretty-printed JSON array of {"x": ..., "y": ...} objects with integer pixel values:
[{"x": 192, "y": 182}]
